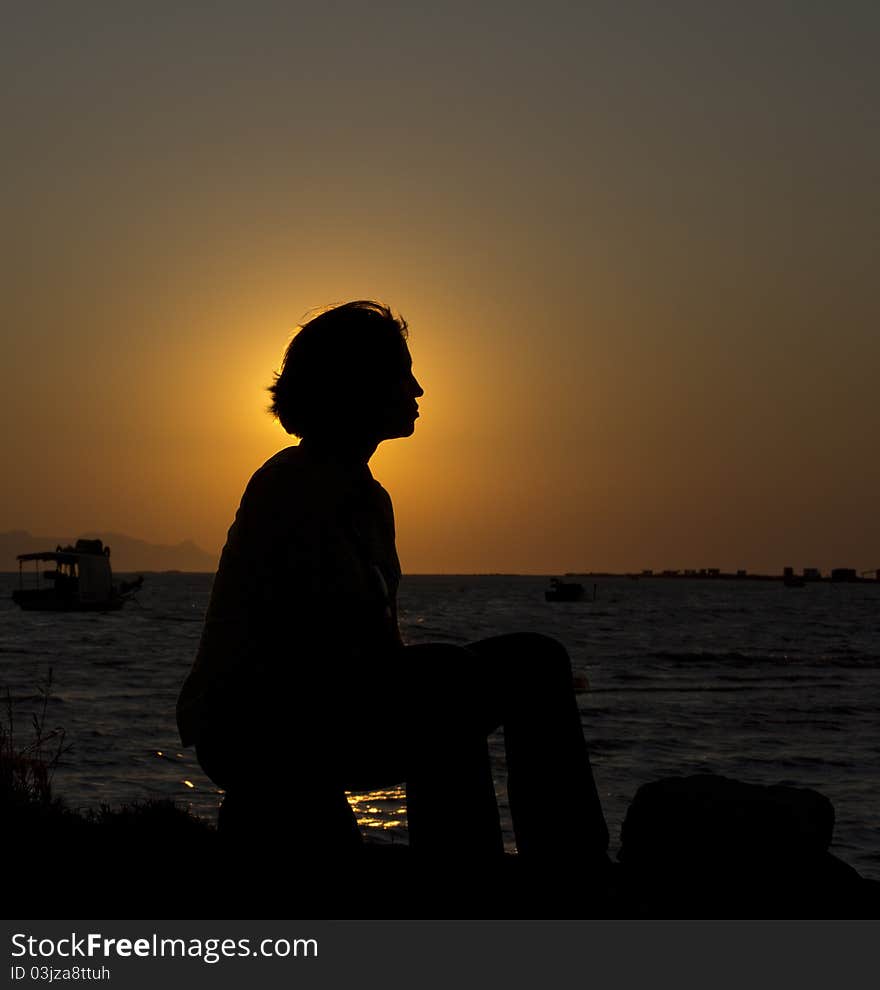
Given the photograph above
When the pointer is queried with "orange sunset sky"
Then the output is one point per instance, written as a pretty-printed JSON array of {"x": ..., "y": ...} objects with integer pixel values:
[{"x": 636, "y": 244}]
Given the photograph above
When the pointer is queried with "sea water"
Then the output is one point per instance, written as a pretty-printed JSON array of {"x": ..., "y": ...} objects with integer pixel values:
[{"x": 749, "y": 679}]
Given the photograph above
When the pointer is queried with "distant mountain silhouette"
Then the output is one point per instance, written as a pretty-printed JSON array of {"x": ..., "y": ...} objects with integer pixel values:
[{"x": 127, "y": 553}]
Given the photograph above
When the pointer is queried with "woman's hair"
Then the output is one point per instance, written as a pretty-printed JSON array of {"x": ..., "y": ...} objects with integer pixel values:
[{"x": 335, "y": 359}]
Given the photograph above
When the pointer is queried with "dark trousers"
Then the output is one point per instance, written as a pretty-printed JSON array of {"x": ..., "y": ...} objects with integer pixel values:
[{"x": 423, "y": 717}]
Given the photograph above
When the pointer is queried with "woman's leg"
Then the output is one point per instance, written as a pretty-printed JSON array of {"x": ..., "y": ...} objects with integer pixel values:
[
  {"x": 432, "y": 732},
  {"x": 441, "y": 705},
  {"x": 553, "y": 798}
]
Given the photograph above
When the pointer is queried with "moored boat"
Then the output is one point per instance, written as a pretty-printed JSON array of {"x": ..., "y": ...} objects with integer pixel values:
[
  {"x": 80, "y": 581},
  {"x": 564, "y": 591}
]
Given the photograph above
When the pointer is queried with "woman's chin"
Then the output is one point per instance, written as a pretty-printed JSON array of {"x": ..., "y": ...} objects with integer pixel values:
[{"x": 403, "y": 430}]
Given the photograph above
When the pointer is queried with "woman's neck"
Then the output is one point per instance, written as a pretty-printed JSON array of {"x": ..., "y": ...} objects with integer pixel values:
[{"x": 346, "y": 449}]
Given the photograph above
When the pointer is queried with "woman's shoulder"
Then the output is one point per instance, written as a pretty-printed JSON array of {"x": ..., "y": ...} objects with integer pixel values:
[
  {"x": 286, "y": 477},
  {"x": 281, "y": 464}
]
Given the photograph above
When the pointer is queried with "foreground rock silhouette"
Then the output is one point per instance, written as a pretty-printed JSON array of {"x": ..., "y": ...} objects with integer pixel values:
[
  {"x": 709, "y": 846},
  {"x": 692, "y": 847}
]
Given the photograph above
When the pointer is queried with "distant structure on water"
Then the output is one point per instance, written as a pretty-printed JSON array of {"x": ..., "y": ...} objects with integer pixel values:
[{"x": 788, "y": 576}]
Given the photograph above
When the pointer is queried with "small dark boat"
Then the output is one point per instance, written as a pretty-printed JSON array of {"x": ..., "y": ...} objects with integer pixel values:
[
  {"x": 564, "y": 591},
  {"x": 81, "y": 580}
]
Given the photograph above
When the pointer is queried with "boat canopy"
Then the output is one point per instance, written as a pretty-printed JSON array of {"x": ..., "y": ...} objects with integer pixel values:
[
  {"x": 92, "y": 570},
  {"x": 69, "y": 554},
  {"x": 82, "y": 580}
]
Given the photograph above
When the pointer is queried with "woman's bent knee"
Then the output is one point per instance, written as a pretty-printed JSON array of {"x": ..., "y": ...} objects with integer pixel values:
[{"x": 538, "y": 654}]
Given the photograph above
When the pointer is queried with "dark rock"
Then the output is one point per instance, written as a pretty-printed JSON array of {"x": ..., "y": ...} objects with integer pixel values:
[
  {"x": 708, "y": 816},
  {"x": 708, "y": 846}
]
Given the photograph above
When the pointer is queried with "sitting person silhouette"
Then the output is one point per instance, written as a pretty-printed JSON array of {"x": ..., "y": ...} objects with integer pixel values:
[{"x": 302, "y": 687}]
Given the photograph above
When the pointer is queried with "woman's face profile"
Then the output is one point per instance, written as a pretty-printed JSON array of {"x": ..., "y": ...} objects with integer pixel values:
[
  {"x": 370, "y": 396},
  {"x": 396, "y": 408}
]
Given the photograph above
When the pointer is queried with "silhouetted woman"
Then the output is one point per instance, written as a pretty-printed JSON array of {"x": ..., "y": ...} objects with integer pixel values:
[{"x": 302, "y": 687}]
